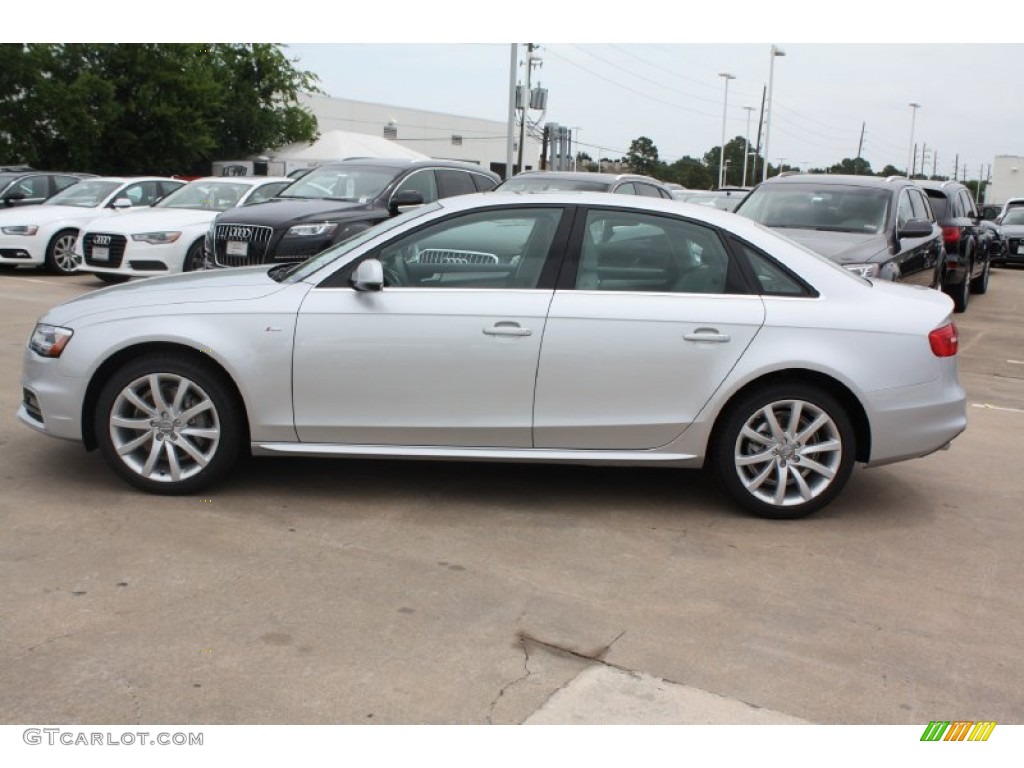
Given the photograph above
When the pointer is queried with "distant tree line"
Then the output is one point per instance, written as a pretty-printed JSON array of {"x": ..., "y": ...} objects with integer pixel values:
[
  {"x": 702, "y": 173},
  {"x": 148, "y": 107}
]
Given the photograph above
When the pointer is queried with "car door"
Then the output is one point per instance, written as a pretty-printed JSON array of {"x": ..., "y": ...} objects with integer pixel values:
[
  {"x": 915, "y": 256},
  {"x": 641, "y": 333},
  {"x": 446, "y": 353}
]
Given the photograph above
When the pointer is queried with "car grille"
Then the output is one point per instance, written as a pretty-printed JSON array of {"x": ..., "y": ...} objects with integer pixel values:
[
  {"x": 257, "y": 239},
  {"x": 115, "y": 245},
  {"x": 446, "y": 256}
]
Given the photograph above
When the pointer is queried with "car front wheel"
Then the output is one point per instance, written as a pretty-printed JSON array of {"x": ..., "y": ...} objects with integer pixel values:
[
  {"x": 60, "y": 255},
  {"x": 785, "y": 450},
  {"x": 168, "y": 424}
]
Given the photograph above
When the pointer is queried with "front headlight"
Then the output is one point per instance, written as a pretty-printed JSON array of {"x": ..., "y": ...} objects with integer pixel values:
[
  {"x": 864, "y": 270},
  {"x": 26, "y": 230},
  {"x": 312, "y": 230},
  {"x": 49, "y": 340},
  {"x": 156, "y": 238}
]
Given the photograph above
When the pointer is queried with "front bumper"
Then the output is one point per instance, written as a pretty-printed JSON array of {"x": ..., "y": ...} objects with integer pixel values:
[
  {"x": 22, "y": 249},
  {"x": 51, "y": 402}
]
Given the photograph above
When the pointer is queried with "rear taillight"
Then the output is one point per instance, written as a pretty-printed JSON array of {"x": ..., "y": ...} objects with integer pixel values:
[
  {"x": 944, "y": 341},
  {"x": 951, "y": 235}
]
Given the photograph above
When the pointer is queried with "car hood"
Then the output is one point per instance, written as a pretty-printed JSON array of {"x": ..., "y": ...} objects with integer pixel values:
[
  {"x": 1012, "y": 230},
  {"x": 841, "y": 247},
  {"x": 43, "y": 214},
  {"x": 281, "y": 211},
  {"x": 154, "y": 220},
  {"x": 202, "y": 288}
]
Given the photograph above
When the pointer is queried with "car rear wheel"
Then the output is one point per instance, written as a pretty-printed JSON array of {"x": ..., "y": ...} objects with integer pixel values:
[
  {"x": 959, "y": 292},
  {"x": 168, "y": 424},
  {"x": 60, "y": 255},
  {"x": 979, "y": 285},
  {"x": 785, "y": 451}
]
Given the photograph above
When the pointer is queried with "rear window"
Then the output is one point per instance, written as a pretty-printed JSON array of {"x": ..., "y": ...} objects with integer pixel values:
[{"x": 939, "y": 203}]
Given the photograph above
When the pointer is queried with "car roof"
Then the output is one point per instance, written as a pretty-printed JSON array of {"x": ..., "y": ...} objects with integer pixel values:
[
  {"x": 252, "y": 181},
  {"x": 841, "y": 179},
  {"x": 404, "y": 162},
  {"x": 588, "y": 176}
]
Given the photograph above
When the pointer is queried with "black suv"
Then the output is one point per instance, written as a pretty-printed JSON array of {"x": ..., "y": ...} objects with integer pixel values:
[
  {"x": 968, "y": 243},
  {"x": 332, "y": 203},
  {"x": 876, "y": 227},
  {"x": 28, "y": 187},
  {"x": 586, "y": 181}
]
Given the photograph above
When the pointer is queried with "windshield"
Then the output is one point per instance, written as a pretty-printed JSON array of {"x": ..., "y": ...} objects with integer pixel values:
[
  {"x": 293, "y": 273},
  {"x": 545, "y": 184},
  {"x": 85, "y": 194},
  {"x": 206, "y": 196},
  {"x": 1014, "y": 216},
  {"x": 826, "y": 207},
  {"x": 351, "y": 183}
]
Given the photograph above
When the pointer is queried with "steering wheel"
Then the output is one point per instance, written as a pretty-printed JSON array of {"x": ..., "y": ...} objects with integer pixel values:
[{"x": 395, "y": 273}]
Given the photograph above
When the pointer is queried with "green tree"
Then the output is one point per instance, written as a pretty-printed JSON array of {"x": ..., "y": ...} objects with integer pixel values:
[
  {"x": 857, "y": 166},
  {"x": 643, "y": 156},
  {"x": 891, "y": 170},
  {"x": 147, "y": 108},
  {"x": 691, "y": 172}
]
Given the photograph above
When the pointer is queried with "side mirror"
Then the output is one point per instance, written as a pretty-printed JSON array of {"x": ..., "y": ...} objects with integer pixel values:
[
  {"x": 14, "y": 198},
  {"x": 121, "y": 203},
  {"x": 369, "y": 276},
  {"x": 404, "y": 199},
  {"x": 916, "y": 228}
]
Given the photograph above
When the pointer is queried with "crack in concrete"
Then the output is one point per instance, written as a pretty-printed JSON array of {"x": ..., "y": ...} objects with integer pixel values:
[
  {"x": 135, "y": 701},
  {"x": 525, "y": 641}
]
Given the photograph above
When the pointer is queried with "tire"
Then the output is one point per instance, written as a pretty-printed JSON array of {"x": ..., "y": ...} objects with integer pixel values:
[
  {"x": 775, "y": 468},
  {"x": 60, "y": 257},
  {"x": 112, "y": 279},
  {"x": 979, "y": 285},
  {"x": 194, "y": 258},
  {"x": 959, "y": 292},
  {"x": 177, "y": 442}
]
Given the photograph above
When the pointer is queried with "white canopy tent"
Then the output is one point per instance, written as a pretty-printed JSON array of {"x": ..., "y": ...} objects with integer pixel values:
[{"x": 341, "y": 145}]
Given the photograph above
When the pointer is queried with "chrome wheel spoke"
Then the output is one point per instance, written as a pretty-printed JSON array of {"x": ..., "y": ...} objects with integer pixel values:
[
  {"x": 204, "y": 433},
  {"x": 773, "y": 423},
  {"x": 758, "y": 480},
  {"x": 781, "y": 480},
  {"x": 138, "y": 442},
  {"x": 195, "y": 410},
  {"x": 154, "y": 454},
  {"x": 805, "y": 490},
  {"x": 172, "y": 461},
  {"x": 829, "y": 446},
  {"x": 750, "y": 434},
  {"x": 820, "y": 469},
  {"x": 794, "y": 417},
  {"x": 179, "y": 394},
  {"x": 197, "y": 456},
  {"x": 813, "y": 427},
  {"x": 132, "y": 397},
  {"x": 137, "y": 424},
  {"x": 754, "y": 458},
  {"x": 158, "y": 396}
]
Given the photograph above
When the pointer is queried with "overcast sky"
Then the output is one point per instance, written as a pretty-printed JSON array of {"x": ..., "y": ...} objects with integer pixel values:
[
  {"x": 672, "y": 93},
  {"x": 644, "y": 69}
]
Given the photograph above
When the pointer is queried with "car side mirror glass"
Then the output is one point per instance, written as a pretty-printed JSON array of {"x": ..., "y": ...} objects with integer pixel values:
[
  {"x": 121, "y": 203},
  {"x": 405, "y": 199},
  {"x": 13, "y": 197},
  {"x": 369, "y": 276},
  {"x": 916, "y": 228}
]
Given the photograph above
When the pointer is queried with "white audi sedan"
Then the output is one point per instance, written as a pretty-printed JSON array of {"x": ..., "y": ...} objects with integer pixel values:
[
  {"x": 566, "y": 327},
  {"x": 45, "y": 234},
  {"x": 167, "y": 238}
]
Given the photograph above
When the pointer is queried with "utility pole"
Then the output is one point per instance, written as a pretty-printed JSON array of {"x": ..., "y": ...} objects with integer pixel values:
[
  {"x": 956, "y": 167},
  {"x": 913, "y": 162},
  {"x": 935, "y": 162},
  {"x": 510, "y": 148},
  {"x": 760, "y": 123},
  {"x": 746, "y": 146},
  {"x": 526, "y": 99},
  {"x": 860, "y": 146}
]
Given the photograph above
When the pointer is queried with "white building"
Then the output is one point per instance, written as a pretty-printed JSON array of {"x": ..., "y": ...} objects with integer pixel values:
[
  {"x": 1007, "y": 179},
  {"x": 436, "y": 134}
]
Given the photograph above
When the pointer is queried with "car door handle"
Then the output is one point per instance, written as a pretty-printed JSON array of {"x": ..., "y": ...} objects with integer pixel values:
[
  {"x": 707, "y": 334},
  {"x": 507, "y": 329}
]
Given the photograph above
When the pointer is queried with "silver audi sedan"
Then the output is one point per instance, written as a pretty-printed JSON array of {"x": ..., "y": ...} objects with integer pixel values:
[{"x": 565, "y": 327}]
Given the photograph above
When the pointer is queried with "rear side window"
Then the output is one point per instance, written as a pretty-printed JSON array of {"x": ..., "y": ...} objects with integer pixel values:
[
  {"x": 939, "y": 203},
  {"x": 483, "y": 183},
  {"x": 453, "y": 183},
  {"x": 772, "y": 279}
]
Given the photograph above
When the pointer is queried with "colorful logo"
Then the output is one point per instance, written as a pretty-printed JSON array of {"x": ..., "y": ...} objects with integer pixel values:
[{"x": 958, "y": 730}]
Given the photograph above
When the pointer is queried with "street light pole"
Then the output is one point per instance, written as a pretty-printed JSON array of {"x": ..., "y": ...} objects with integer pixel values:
[
  {"x": 914, "y": 106},
  {"x": 776, "y": 51},
  {"x": 746, "y": 146},
  {"x": 725, "y": 107}
]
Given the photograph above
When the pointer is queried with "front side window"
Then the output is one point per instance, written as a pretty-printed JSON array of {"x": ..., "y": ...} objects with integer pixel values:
[
  {"x": 452, "y": 183},
  {"x": 505, "y": 248},
  {"x": 420, "y": 181},
  {"x": 904, "y": 211},
  {"x": 265, "y": 192},
  {"x": 627, "y": 251},
  {"x": 142, "y": 194}
]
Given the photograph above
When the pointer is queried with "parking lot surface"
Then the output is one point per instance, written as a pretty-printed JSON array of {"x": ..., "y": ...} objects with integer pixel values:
[{"x": 320, "y": 591}]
